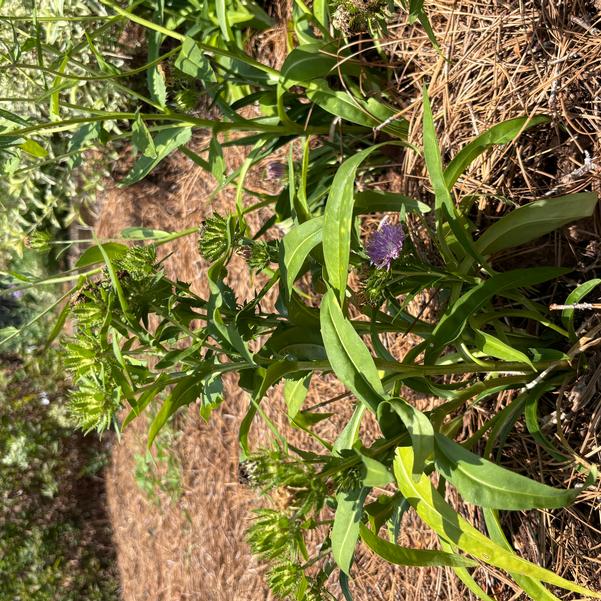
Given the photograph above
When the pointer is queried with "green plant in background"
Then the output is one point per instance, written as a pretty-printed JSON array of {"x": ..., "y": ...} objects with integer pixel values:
[
  {"x": 45, "y": 185},
  {"x": 160, "y": 474},
  {"x": 492, "y": 333},
  {"x": 44, "y": 523}
]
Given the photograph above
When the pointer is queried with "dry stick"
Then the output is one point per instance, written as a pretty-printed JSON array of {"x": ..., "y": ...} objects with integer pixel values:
[{"x": 579, "y": 306}]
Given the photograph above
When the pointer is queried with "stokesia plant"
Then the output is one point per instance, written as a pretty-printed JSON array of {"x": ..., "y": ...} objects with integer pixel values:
[
  {"x": 141, "y": 338},
  {"x": 481, "y": 344}
]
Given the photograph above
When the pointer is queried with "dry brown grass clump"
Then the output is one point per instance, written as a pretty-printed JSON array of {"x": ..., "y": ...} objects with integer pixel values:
[{"x": 501, "y": 60}]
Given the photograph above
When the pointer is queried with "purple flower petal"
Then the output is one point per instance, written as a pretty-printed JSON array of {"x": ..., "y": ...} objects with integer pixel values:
[
  {"x": 385, "y": 245},
  {"x": 276, "y": 170}
]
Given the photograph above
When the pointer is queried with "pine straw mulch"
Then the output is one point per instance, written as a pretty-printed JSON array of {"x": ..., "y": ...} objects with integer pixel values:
[{"x": 508, "y": 59}]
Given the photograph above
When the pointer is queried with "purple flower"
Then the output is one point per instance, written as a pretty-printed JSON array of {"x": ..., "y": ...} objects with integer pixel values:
[
  {"x": 276, "y": 170},
  {"x": 385, "y": 245}
]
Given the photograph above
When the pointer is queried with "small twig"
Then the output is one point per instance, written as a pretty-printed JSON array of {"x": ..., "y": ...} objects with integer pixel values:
[{"x": 579, "y": 306}]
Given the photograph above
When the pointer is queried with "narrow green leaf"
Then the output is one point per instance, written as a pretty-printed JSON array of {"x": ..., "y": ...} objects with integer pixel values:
[
  {"x": 372, "y": 114},
  {"x": 92, "y": 255},
  {"x": 343, "y": 580},
  {"x": 345, "y": 531},
  {"x": 143, "y": 233},
  {"x": 375, "y": 472},
  {"x": 375, "y": 201},
  {"x": 350, "y": 433},
  {"x": 493, "y": 347},
  {"x": 141, "y": 138},
  {"x": 451, "y": 325},
  {"x": 405, "y": 556},
  {"x": 184, "y": 393},
  {"x": 451, "y": 526},
  {"x": 154, "y": 76},
  {"x": 534, "y": 220},
  {"x": 533, "y": 588},
  {"x": 80, "y": 139},
  {"x": 58, "y": 325},
  {"x": 576, "y": 296},
  {"x": 486, "y": 484},
  {"x": 194, "y": 63},
  {"x": 32, "y": 148},
  {"x": 417, "y": 424},
  {"x": 501, "y": 133},
  {"x": 382, "y": 509},
  {"x": 165, "y": 143},
  {"x": 349, "y": 357},
  {"x": 297, "y": 244},
  {"x": 338, "y": 220},
  {"x": 295, "y": 393},
  {"x": 223, "y": 20},
  {"x": 464, "y": 575},
  {"x": 434, "y": 160},
  {"x": 225, "y": 333},
  {"x": 108, "y": 261}
]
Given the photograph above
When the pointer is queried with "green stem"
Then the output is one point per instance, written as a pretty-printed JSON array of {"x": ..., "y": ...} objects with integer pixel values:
[
  {"x": 243, "y": 124},
  {"x": 178, "y": 36},
  {"x": 58, "y": 19},
  {"x": 38, "y": 316},
  {"x": 59, "y": 280},
  {"x": 98, "y": 77}
]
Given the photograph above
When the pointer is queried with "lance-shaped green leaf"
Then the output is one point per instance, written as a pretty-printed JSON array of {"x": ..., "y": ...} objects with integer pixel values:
[
  {"x": 349, "y": 357},
  {"x": 93, "y": 255},
  {"x": 350, "y": 433},
  {"x": 375, "y": 201},
  {"x": 486, "y": 484},
  {"x": 464, "y": 575},
  {"x": 223, "y": 332},
  {"x": 184, "y": 393},
  {"x": 576, "y": 296},
  {"x": 192, "y": 61},
  {"x": 493, "y": 347},
  {"x": 452, "y": 324},
  {"x": 295, "y": 393},
  {"x": 446, "y": 213},
  {"x": 434, "y": 160},
  {"x": 141, "y": 138},
  {"x": 532, "y": 587},
  {"x": 406, "y": 556},
  {"x": 165, "y": 142},
  {"x": 143, "y": 233},
  {"x": 446, "y": 522},
  {"x": 338, "y": 221},
  {"x": 535, "y": 220},
  {"x": 297, "y": 244},
  {"x": 375, "y": 473},
  {"x": 501, "y": 133},
  {"x": 345, "y": 531},
  {"x": 417, "y": 424}
]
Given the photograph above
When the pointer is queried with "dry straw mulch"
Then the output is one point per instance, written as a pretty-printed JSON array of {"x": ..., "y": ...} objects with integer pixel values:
[{"x": 506, "y": 59}]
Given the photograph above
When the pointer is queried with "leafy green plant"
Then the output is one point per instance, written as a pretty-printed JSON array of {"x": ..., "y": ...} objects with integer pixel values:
[
  {"x": 491, "y": 333},
  {"x": 44, "y": 185},
  {"x": 477, "y": 348}
]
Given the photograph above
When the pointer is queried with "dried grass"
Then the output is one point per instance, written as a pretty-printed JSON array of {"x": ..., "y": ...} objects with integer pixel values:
[{"x": 507, "y": 59}]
